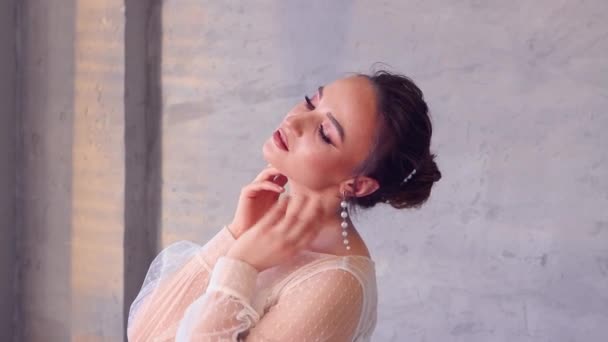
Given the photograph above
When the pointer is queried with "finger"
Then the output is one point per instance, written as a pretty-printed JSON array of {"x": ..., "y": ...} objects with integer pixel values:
[
  {"x": 293, "y": 215},
  {"x": 280, "y": 179},
  {"x": 276, "y": 212},
  {"x": 264, "y": 172},
  {"x": 254, "y": 188},
  {"x": 267, "y": 174},
  {"x": 273, "y": 174},
  {"x": 308, "y": 237},
  {"x": 308, "y": 218}
]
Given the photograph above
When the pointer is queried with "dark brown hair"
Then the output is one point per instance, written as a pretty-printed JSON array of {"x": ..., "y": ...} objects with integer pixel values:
[{"x": 402, "y": 143}]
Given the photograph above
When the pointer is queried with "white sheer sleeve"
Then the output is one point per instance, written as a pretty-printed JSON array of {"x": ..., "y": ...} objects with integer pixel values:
[
  {"x": 325, "y": 306},
  {"x": 176, "y": 277}
]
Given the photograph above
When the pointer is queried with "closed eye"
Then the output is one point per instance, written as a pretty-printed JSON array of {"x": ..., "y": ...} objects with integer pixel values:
[
  {"x": 309, "y": 103},
  {"x": 324, "y": 136},
  {"x": 320, "y": 130}
]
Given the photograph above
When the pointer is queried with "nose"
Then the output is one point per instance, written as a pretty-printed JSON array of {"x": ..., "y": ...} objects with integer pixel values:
[{"x": 298, "y": 122}]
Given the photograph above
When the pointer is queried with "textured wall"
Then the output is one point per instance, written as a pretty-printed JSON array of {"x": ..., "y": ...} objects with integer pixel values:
[
  {"x": 44, "y": 189},
  {"x": 7, "y": 167},
  {"x": 71, "y": 179},
  {"x": 513, "y": 244}
]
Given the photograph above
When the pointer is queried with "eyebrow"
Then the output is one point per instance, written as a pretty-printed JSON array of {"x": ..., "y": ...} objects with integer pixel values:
[{"x": 332, "y": 118}]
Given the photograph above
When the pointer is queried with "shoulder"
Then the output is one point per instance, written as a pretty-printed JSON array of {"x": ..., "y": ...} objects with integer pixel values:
[
  {"x": 335, "y": 286},
  {"x": 327, "y": 275},
  {"x": 326, "y": 303}
]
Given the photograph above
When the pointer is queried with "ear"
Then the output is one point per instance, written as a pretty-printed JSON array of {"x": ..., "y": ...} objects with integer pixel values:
[{"x": 365, "y": 186}]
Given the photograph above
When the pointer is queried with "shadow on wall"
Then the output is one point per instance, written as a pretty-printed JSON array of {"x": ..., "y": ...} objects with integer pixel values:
[{"x": 143, "y": 143}]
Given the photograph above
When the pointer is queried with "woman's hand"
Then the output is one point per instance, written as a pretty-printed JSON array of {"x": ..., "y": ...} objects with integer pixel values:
[
  {"x": 287, "y": 228},
  {"x": 256, "y": 198}
]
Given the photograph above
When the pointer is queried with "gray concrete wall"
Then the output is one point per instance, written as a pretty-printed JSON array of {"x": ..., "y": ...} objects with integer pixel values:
[
  {"x": 513, "y": 244},
  {"x": 8, "y": 173}
]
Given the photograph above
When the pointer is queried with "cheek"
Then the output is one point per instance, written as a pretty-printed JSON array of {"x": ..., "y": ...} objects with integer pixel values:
[
  {"x": 313, "y": 153},
  {"x": 318, "y": 166}
]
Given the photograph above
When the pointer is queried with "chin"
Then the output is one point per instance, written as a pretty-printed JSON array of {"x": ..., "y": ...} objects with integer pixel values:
[{"x": 269, "y": 154}]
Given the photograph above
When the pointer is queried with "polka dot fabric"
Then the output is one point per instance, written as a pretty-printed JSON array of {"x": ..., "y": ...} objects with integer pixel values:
[{"x": 194, "y": 293}]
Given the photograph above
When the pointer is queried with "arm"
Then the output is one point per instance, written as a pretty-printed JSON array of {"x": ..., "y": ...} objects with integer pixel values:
[
  {"x": 325, "y": 306},
  {"x": 178, "y": 275}
]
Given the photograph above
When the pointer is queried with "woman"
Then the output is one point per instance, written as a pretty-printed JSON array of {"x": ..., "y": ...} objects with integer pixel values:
[{"x": 293, "y": 267}]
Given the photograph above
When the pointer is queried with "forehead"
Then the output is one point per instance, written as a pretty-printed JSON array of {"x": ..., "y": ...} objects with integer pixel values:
[{"x": 352, "y": 100}]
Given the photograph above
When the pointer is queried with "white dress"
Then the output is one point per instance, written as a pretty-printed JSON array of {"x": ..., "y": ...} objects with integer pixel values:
[{"x": 194, "y": 293}]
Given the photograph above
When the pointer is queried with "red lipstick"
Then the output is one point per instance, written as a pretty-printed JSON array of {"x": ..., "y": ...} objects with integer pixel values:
[{"x": 279, "y": 140}]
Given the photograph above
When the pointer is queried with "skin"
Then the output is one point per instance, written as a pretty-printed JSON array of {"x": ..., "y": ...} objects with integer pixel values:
[{"x": 317, "y": 172}]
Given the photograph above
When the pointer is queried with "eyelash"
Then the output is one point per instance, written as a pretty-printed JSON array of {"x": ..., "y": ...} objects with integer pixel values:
[{"x": 321, "y": 131}]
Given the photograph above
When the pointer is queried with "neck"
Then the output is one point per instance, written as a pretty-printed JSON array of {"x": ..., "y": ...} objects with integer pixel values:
[{"x": 330, "y": 234}]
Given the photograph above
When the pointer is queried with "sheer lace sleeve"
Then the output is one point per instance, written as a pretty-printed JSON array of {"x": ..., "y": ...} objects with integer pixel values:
[
  {"x": 177, "y": 275},
  {"x": 325, "y": 306}
]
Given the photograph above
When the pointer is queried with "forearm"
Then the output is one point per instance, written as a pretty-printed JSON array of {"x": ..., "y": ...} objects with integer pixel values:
[
  {"x": 224, "y": 310},
  {"x": 172, "y": 290}
]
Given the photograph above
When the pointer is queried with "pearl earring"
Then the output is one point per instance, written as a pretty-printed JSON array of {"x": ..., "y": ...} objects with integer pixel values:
[{"x": 344, "y": 224}]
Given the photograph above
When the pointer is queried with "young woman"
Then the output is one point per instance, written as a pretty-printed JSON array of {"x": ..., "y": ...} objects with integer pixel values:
[{"x": 292, "y": 267}]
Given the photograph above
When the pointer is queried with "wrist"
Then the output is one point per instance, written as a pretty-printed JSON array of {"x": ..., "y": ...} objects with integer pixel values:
[
  {"x": 234, "y": 254},
  {"x": 235, "y": 232}
]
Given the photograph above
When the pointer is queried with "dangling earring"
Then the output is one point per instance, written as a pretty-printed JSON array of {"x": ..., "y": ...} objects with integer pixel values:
[{"x": 344, "y": 224}]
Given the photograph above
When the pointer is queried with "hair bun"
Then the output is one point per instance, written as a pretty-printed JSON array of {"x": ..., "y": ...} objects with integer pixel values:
[
  {"x": 428, "y": 168},
  {"x": 417, "y": 190}
]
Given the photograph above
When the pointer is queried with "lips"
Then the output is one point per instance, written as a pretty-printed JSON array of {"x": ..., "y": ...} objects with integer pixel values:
[
  {"x": 280, "y": 140},
  {"x": 284, "y": 138}
]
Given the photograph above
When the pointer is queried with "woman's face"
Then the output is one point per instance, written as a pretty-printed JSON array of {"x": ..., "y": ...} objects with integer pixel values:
[{"x": 328, "y": 137}]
